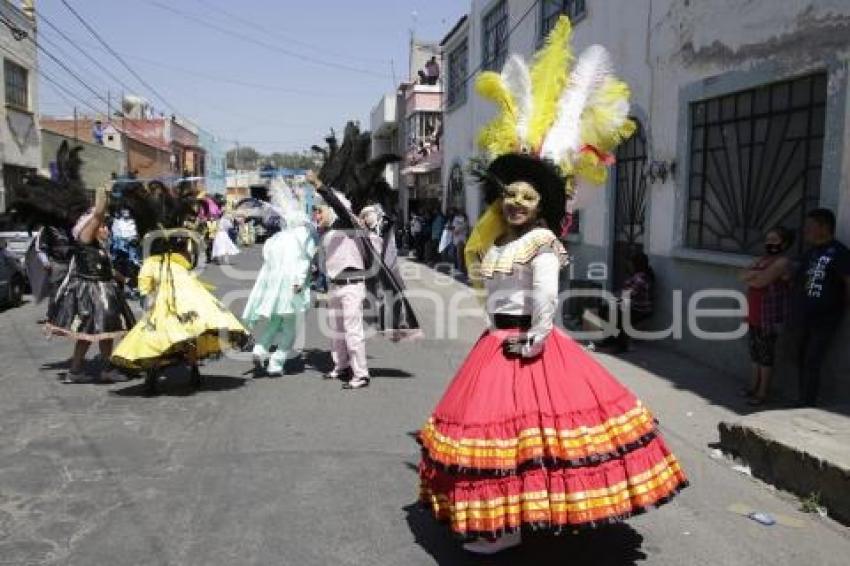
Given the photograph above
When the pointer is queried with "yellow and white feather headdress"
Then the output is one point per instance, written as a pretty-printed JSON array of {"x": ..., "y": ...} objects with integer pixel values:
[{"x": 573, "y": 113}]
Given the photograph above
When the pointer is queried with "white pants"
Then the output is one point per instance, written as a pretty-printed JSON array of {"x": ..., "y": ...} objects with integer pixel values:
[{"x": 345, "y": 317}]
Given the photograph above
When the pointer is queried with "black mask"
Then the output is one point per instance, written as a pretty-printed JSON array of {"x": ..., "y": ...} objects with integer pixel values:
[{"x": 773, "y": 249}]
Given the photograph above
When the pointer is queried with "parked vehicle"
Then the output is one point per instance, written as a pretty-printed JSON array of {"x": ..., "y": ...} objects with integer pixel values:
[
  {"x": 12, "y": 280},
  {"x": 16, "y": 236}
]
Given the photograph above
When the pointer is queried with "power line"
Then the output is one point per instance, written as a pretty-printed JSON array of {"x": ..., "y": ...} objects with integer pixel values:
[
  {"x": 234, "y": 16},
  {"x": 57, "y": 85},
  {"x": 255, "y": 41},
  {"x": 67, "y": 69},
  {"x": 103, "y": 42},
  {"x": 508, "y": 36},
  {"x": 229, "y": 80},
  {"x": 81, "y": 50}
]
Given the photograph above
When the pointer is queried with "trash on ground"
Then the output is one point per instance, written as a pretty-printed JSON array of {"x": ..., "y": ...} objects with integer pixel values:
[
  {"x": 762, "y": 518},
  {"x": 743, "y": 469},
  {"x": 716, "y": 454}
]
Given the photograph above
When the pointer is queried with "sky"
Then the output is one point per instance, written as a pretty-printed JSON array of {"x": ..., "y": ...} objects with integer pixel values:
[{"x": 272, "y": 74}]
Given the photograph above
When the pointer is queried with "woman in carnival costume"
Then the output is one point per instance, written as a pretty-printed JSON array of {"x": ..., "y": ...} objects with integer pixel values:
[
  {"x": 281, "y": 294},
  {"x": 183, "y": 322},
  {"x": 533, "y": 433},
  {"x": 89, "y": 305},
  {"x": 223, "y": 246}
]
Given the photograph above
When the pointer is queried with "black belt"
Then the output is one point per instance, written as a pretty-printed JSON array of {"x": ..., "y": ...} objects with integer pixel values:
[
  {"x": 508, "y": 321},
  {"x": 347, "y": 280}
]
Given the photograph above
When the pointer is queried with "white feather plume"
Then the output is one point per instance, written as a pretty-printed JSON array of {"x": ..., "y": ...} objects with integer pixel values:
[
  {"x": 564, "y": 138},
  {"x": 517, "y": 79}
]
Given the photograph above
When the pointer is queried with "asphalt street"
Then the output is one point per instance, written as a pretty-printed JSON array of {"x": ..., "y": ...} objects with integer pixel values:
[{"x": 294, "y": 470}]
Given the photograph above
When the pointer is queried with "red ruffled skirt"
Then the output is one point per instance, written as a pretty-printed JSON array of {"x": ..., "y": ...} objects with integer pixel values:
[{"x": 552, "y": 443}]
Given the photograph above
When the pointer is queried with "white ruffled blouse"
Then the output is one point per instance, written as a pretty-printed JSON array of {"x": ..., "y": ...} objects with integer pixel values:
[{"x": 521, "y": 278}]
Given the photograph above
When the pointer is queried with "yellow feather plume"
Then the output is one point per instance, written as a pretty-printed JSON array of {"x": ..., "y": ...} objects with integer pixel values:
[
  {"x": 549, "y": 74},
  {"x": 605, "y": 123},
  {"x": 487, "y": 230},
  {"x": 500, "y": 135},
  {"x": 589, "y": 167}
]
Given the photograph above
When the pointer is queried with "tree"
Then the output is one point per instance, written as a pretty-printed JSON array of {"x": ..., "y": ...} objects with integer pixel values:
[
  {"x": 243, "y": 158},
  {"x": 291, "y": 160}
]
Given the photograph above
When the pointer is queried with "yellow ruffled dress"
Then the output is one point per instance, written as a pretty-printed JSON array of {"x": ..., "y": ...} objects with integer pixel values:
[{"x": 185, "y": 323}]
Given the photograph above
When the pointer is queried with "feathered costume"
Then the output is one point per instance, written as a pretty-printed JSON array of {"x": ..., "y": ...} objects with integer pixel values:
[
  {"x": 347, "y": 168},
  {"x": 183, "y": 321},
  {"x": 533, "y": 433},
  {"x": 281, "y": 294},
  {"x": 88, "y": 304}
]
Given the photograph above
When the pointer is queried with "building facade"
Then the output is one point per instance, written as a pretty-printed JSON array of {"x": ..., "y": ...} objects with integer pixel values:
[
  {"x": 142, "y": 143},
  {"x": 408, "y": 123},
  {"x": 215, "y": 161},
  {"x": 742, "y": 110},
  {"x": 20, "y": 139},
  {"x": 100, "y": 163}
]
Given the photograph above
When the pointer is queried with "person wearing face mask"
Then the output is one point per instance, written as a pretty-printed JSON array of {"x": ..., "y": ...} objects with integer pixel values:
[{"x": 767, "y": 282}]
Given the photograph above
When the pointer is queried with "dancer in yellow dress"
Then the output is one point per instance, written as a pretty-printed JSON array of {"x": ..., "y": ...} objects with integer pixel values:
[{"x": 183, "y": 323}]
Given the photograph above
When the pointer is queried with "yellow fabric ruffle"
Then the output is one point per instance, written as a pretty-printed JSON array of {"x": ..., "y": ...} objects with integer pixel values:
[{"x": 184, "y": 317}]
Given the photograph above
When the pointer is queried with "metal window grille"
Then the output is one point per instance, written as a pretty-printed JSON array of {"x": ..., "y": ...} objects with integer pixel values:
[
  {"x": 495, "y": 37},
  {"x": 458, "y": 68},
  {"x": 551, "y": 10},
  {"x": 630, "y": 182},
  {"x": 755, "y": 163},
  {"x": 17, "y": 87}
]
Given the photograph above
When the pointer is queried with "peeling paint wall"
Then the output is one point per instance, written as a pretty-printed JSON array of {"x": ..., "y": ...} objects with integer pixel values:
[{"x": 672, "y": 52}]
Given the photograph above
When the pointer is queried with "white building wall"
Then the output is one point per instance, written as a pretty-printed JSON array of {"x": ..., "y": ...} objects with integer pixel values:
[{"x": 21, "y": 147}]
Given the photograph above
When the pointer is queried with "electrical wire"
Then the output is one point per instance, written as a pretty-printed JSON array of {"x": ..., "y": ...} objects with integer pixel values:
[
  {"x": 276, "y": 33},
  {"x": 511, "y": 31},
  {"x": 120, "y": 59},
  {"x": 255, "y": 41},
  {"x": 74, "y": 44}
]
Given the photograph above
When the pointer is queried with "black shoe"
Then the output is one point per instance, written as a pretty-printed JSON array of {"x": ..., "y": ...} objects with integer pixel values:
[
  {"x": 356, "y": 383},
  {"x": 342, "y": 375},
  {"x": 195, "y": 378}
]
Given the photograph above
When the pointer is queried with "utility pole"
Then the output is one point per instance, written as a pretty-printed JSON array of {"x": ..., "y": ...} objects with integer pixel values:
[
  {"x": 76, "y": 138},
  {"x": 108, "y": 106}
]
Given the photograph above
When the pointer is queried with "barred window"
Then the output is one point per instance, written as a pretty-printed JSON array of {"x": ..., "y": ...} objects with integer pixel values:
[
  {"x": 755, "y": 163},
  {"x": 495, "y": 38},
  {"x": 17, "y": 85},
  {"x": 551, "y": 10},
  {"x": 458, "y": 69}
]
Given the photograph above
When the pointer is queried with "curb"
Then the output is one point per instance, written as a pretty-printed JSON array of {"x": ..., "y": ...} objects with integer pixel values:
[{"x": 789, "y": 468}]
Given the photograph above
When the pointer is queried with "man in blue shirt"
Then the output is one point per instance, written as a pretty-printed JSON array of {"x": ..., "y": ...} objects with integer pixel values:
[{"x": 821, "y": 291}]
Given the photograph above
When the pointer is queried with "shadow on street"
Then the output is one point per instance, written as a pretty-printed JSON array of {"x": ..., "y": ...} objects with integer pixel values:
[{"x": 609, "y": 545}]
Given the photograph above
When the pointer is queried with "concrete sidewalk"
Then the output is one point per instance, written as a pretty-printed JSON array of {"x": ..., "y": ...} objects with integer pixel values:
[{"x": 804, "y": 451}]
